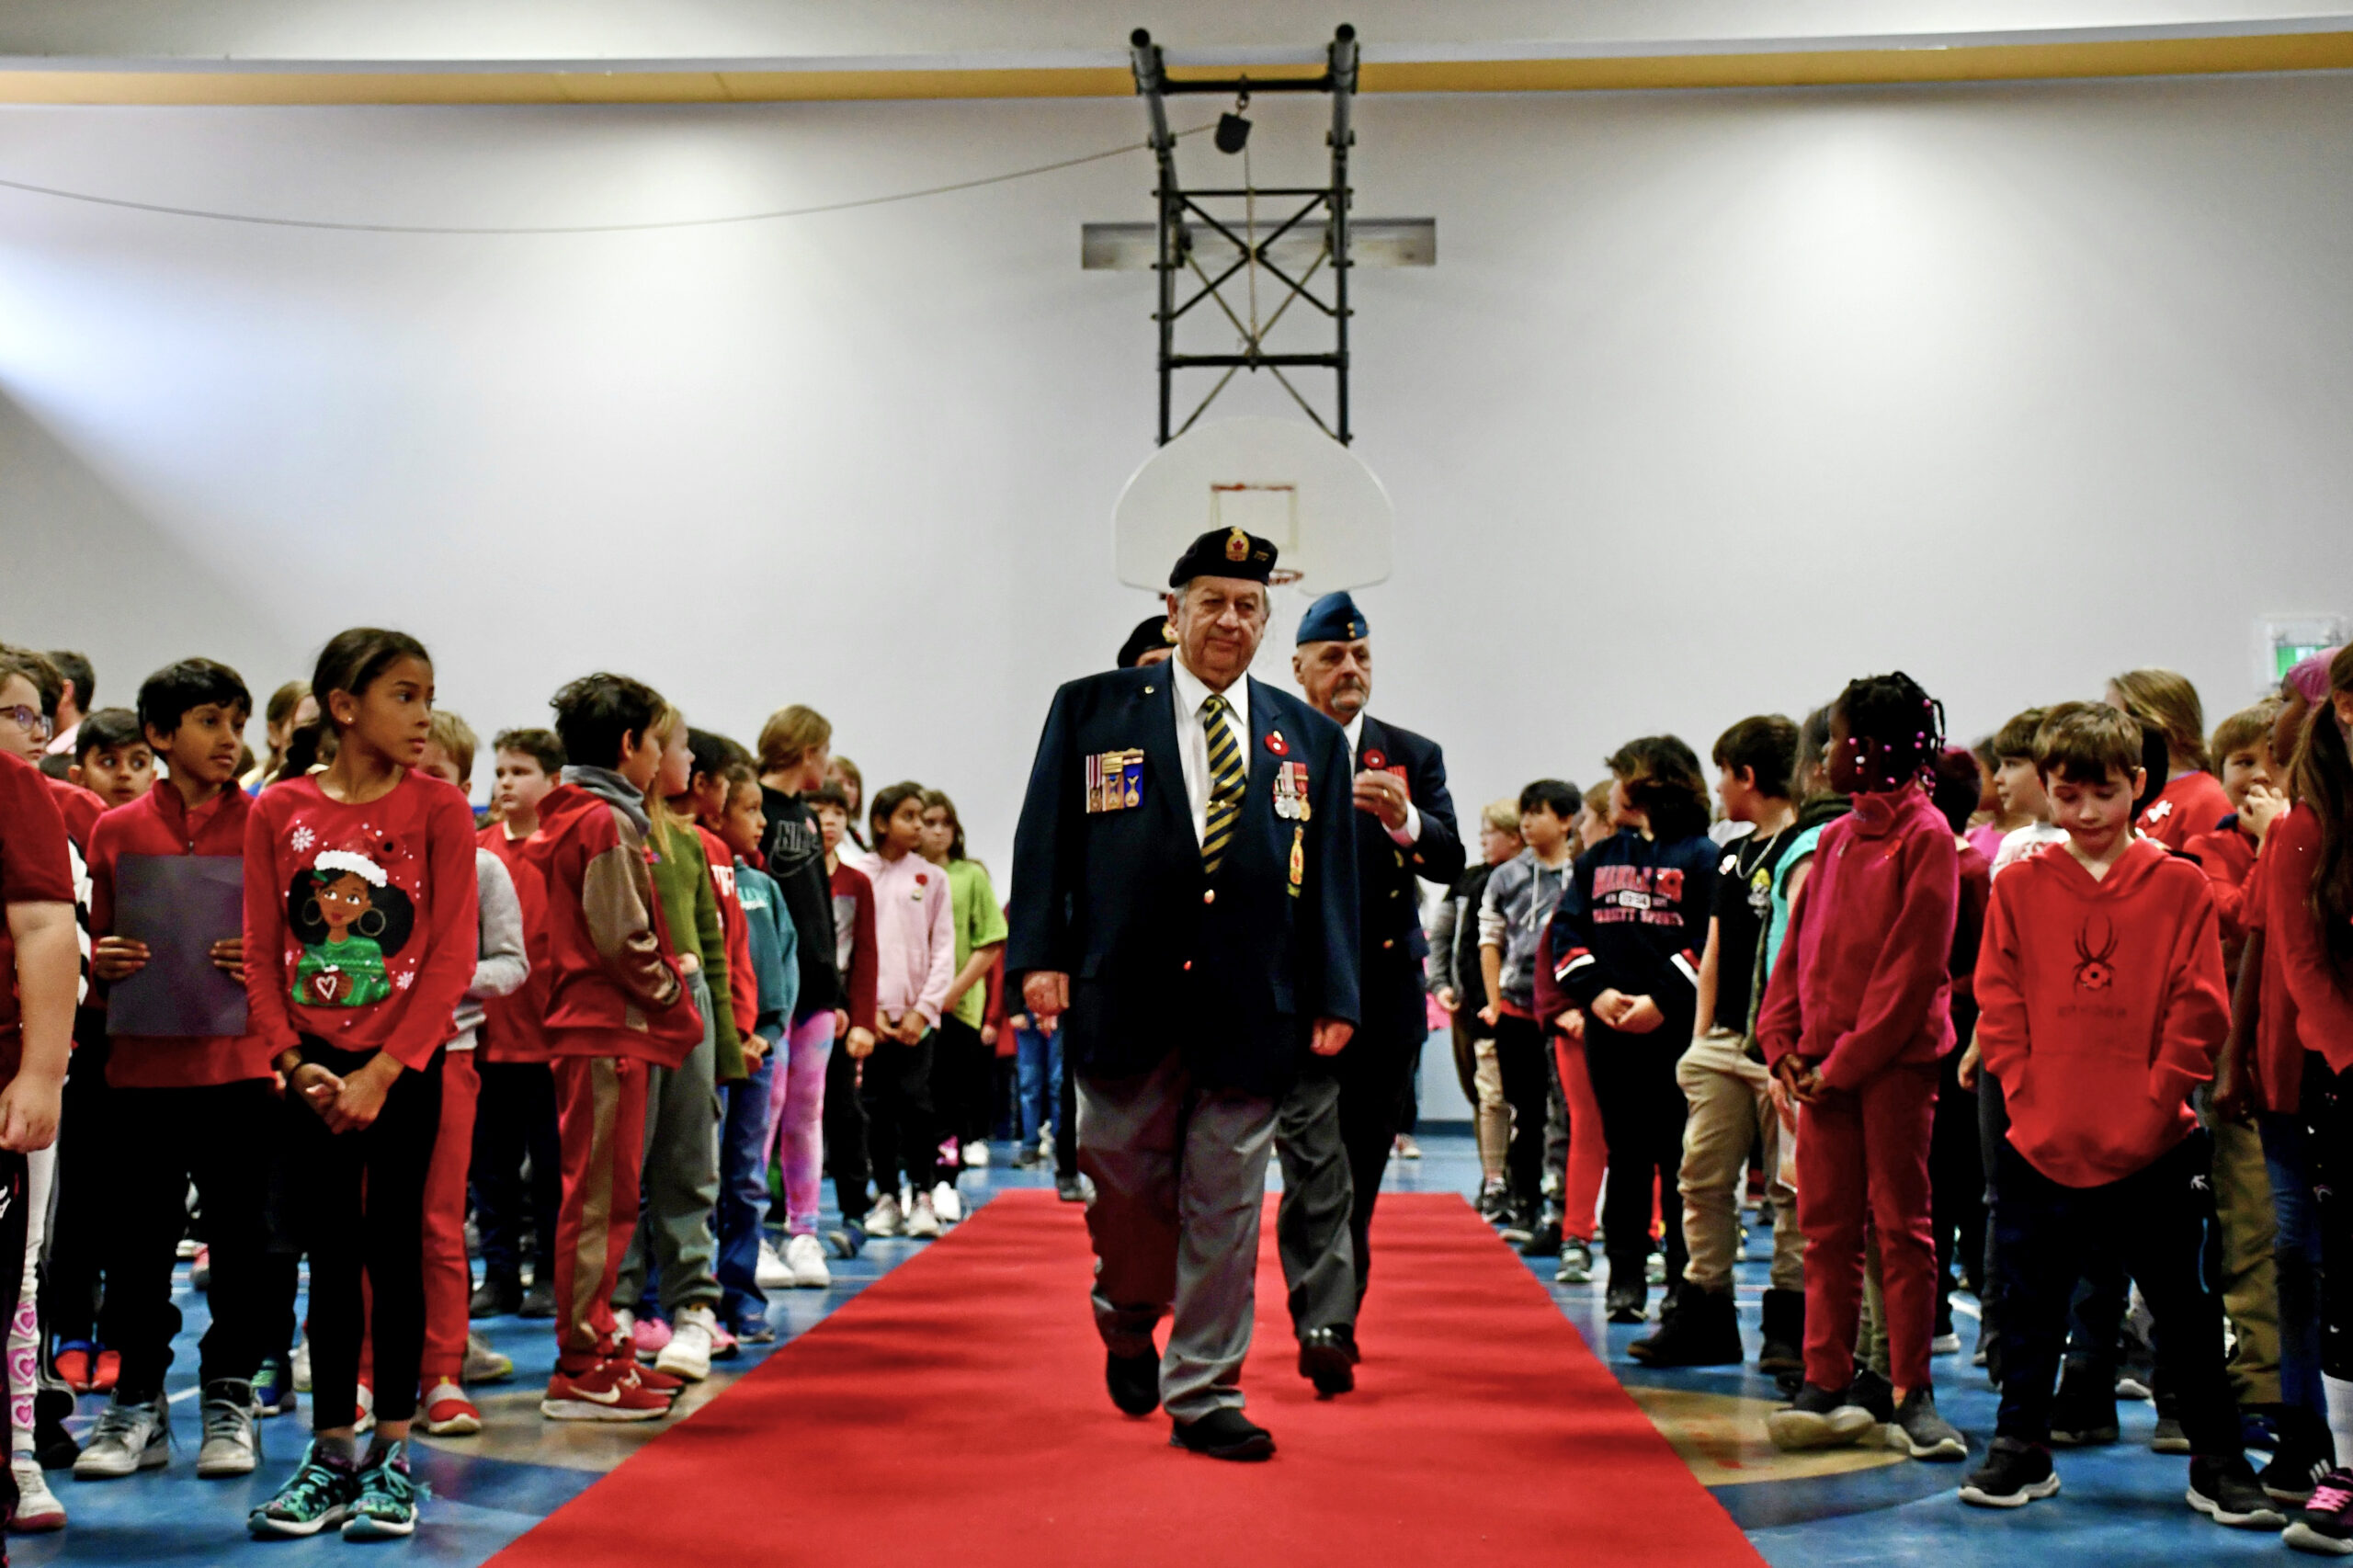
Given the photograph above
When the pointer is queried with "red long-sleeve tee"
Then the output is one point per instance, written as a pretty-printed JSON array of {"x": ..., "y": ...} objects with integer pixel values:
[
  {"x": 854, "y": 941},
  {"x": 1871, "y": 985},
  {"x": 2227, "y": 856},
  {"x": 515, "y": 1025},
  {"x": 2102, "y": 1003},
  {"x": 160, "y": 823},
  {"x": 743, "y": 984},
  {"x": 2190, "y": 805},
  {"x": 362, "y": 921},
  {"x": 2324, "y": 1007},
  {"x": 2276, "y": 1081}
]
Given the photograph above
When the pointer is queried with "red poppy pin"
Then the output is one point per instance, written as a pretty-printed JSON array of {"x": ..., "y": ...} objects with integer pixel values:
[
  {"x": 1276, "y": 744},
  {"x": 922, "y": 878},
  {"x": 1375, "y": 761}
]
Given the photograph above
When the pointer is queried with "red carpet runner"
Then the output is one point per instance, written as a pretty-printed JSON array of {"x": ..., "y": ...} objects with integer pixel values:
[{"x": 953, "y": 1416}]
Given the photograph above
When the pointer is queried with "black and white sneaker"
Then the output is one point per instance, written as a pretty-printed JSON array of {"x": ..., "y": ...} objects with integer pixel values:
[
  {"x": 2325, "y": 1524},
  {"x": 1818, "y": 1418},
  {"x": 1919, "y": 1431},
  {"x": 2014, "y": 1474},
  {"x": 2225, "y": 1491}
]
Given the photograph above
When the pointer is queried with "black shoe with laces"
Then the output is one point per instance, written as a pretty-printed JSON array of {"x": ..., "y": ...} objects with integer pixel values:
[
  {"x": 2224, "y": 1490},
  {"x": 1628, "y": 1303},
  {"x": 2014, "y": 1474},
  {"x": 2325, "y": 1524},
  {"x": 1068, "y": 1191},
  {"x": 1133, "y": 1383},
  {"x": 2306, "y": 1452},
  {"x": 1702, "y": 1331},
  {"x": 1875, "y": 1394},
  {"x": 1223, "y": 1435},
  {"x": 1545, "y": 1242}
]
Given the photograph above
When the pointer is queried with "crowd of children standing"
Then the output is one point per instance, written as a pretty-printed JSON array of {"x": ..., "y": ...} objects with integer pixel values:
[
  {"x": 2065, "y": 1024},
  {"x": 619, "y": 1027}
]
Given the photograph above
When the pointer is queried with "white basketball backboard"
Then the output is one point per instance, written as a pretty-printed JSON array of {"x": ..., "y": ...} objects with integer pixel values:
[{"x": 1283, "y": 479}]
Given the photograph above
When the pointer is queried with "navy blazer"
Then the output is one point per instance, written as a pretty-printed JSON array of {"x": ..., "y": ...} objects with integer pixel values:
[
  {"x": 1232, "y": 973},
  {"x": 1388, "y": 877}
]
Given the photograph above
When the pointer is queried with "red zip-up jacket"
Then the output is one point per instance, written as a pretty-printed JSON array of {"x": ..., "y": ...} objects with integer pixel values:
[
  {"x": 1872, "y": 928},
  {"x": 613, "y": 983},
  {"x": 160, "y": 823},
  {"x": 2102, "y": 1004},
  {"x": 2324, "y": 1008},
  {"x": 513, "y": 1027}
]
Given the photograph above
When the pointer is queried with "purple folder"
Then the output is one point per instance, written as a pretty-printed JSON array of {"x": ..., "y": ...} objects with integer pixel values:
[{"x": 180, "y": 905}]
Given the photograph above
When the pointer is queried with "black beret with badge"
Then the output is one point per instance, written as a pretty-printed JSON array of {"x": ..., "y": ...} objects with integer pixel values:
[
  {"x": 1226, "y": 552},
  {"x": 1152, "y": 632}
]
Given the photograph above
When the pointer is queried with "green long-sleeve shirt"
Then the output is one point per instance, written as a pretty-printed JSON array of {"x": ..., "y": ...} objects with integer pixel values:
[{"x": 691, "y": 906}]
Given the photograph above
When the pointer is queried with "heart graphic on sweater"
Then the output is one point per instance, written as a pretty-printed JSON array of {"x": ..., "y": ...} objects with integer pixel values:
[{"x": 329, "y": 985}]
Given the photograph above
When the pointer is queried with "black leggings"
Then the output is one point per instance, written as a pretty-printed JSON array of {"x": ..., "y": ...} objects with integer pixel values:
[
  {"x": 515, "y": 1118},
  {"x": 902, "y": 1129},
  {"x": 362, "y": 1196},
  {"x": 962, "y": 1072},
  {"x": 845, "y": 1120},
  {"x": 1642, "y": 1111}
]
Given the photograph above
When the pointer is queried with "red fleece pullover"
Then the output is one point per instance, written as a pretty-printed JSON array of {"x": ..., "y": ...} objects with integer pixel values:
[
  {"x": 2190, "y": 805},
  {"x": 1873, "y": 929},
  {"x": 160, "y": 823},
  {"x": 2324, "y": 1007},
  {"x": 613, "y": 983},
  {"x": 2102, "y": 1006}
]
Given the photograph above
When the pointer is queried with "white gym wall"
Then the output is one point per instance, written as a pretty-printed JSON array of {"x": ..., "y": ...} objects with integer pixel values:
[{"x": 1712, "y": 401}]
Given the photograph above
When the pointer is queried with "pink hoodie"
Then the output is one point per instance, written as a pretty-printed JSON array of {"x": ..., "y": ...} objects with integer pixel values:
[{"x": 915, "y": 945}]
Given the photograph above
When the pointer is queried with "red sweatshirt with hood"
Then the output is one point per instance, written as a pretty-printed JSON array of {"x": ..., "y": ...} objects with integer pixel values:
[
  {"x": 614, "y": 987},
  {"x": 2102, "y": 1003},
  {"x": 2323, "y": 998},
  {"x": 1870, "y": 986}
]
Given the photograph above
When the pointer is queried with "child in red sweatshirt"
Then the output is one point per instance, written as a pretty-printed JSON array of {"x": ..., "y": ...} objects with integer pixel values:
[
  {"x": 182, "y": 1110},
  {"x": 2100, "y": 982},
  {"x": 1853, "y": 1027},
  {"x": 617, "y": 1006}
]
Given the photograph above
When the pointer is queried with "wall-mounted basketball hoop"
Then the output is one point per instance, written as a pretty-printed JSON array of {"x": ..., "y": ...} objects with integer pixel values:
[{"x": 1327, "y": 515}]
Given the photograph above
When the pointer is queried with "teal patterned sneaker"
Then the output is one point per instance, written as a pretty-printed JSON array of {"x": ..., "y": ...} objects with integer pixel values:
[
  {"x": 317, "y": 1496},
  {"x": 386, "y": 1504}
]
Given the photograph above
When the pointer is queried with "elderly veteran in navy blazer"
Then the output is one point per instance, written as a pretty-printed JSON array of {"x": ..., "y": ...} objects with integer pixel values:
[
  {"x": 1185, "y": 898},
  {"x": 1339, "y": 1122}
]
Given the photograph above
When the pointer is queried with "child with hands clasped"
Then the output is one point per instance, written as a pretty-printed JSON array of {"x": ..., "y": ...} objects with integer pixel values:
[
  {"x": 2100, "y": 981},
  {"x": 361, "y": 912},
  {"x": 1853, "y": 1025},
  {"x": 916, "y": 953}
]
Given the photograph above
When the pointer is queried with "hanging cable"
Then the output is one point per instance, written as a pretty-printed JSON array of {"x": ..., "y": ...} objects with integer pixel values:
[{"x": 266, "y": 221}]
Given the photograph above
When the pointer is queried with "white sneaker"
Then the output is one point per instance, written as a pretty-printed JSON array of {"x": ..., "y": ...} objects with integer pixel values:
[
  {"x": 773, "y": 1273},
  {"x": 947, "y": 1203},
  {"x": 128, "y": 1438},
  {"x": 37, "y": 1507},
  {"x": 688, "y": 1355},
  {"x": 923, "y": 1223},
  {"x": 976, "y": 1156},
  {"x": 303, "y": 1368},
  {"x": 882, "y": 1219},
  {"x": 804, "y": 1262},
  {"x": 484, "y": 1365},
  {"x": 1045, "y": 1145}
]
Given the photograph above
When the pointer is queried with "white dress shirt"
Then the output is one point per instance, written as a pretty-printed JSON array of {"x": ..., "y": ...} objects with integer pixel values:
[
  {"x": 1193, "y": 740},
  {"x": 1409, "y": 834}
]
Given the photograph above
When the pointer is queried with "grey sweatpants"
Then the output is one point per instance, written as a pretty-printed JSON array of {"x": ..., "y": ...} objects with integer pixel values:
[
  {"x": 682, "y": 1117},
  {"x": 1180, "y": 1173}
]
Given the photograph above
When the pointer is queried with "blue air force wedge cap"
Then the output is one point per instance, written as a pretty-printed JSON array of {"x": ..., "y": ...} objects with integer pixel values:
[
  {"x": 1226, "y": 552},
  {"x": 1333, "y": 619}
]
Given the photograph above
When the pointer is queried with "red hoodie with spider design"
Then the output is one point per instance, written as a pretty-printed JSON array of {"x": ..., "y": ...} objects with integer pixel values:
[{"x": 2102, "y": 1004}]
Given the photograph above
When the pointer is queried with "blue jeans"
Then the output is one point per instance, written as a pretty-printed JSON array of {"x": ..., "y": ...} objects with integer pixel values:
[
  {"x": 1037, "y": 1081},
  {"x": 743, "y": 1190},
  {"x": 2296, "y": 1253}
]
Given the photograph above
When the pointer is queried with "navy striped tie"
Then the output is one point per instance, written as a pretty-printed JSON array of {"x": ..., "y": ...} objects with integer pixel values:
[{"x": 1225, "y": 783}]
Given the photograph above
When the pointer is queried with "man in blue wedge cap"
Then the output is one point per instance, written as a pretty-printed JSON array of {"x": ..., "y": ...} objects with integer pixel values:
[
  {"x": 1185, "y": 901},
  {"x": 1339, "y": 1121}
]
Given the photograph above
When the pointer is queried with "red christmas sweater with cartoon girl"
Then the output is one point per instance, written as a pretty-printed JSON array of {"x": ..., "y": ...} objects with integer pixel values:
[
  {"x": 361, "y": 920},
  {"x": 2101, "y": 1005}
]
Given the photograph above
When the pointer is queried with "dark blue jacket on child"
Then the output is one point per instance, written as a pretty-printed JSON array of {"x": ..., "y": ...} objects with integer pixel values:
[{"x": 1634, "y": 920}]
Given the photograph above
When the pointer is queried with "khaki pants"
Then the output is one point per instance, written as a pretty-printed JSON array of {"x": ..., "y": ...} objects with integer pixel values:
[
  {"x": 1730, "y": 1111},
  {"x": 2249, "y": 1283}
]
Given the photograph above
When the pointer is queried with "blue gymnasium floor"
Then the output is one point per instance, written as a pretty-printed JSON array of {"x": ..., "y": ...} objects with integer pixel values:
[{"x": 2121, "y": 1507}]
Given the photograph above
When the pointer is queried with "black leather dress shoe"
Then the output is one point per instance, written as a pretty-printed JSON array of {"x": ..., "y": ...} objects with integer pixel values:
[
  {"x": 1223, "y": 1435},
  {"x": 1325, "y": 1360},
  {"x": 1134, "y": 1382}
]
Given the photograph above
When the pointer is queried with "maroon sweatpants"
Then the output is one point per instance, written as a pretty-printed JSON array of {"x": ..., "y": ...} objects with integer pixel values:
[{"x": 1865, "y": 1153}]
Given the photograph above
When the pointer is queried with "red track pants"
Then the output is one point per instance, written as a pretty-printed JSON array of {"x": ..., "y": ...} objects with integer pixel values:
[
  {"x": 1864, "y": 1155},
  {"x": 1589, "y": 1150},
  {"x": 600, "y": 1122}
]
